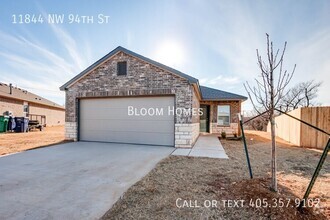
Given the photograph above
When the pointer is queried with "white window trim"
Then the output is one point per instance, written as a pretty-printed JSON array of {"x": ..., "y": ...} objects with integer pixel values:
[{"x": 228, "y": 116}]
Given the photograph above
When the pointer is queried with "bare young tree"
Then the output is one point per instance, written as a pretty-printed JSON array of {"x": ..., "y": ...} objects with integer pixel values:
[
  {"x": 301, "y": 95},
  {"x": 269, "y": 91}
]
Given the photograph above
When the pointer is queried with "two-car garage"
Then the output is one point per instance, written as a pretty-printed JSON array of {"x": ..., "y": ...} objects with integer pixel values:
[{"x": 112, "y": 120}]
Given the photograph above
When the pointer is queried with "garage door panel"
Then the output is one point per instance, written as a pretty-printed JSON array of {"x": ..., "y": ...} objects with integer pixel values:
[
  {"x": 134, "y": 101},
  {"x": 148, "y": 102},
  {"x": 107, "y": 120},
  {"x": 126, "y": 137},
  {"x": 129, "y": 137},
  {"x": 133, "y": 126},
  {"x": 123, "y": 115}
]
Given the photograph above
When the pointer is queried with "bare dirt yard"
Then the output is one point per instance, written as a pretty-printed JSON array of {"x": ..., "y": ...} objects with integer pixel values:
[
  {"x": 184, "y": 187},
  {"x": 17, "y": 142}
]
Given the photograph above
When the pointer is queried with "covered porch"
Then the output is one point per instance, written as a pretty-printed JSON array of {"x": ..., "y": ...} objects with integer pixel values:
[
  {"x": 220, "y": 116},
  {"x": 220, "y": 109}
]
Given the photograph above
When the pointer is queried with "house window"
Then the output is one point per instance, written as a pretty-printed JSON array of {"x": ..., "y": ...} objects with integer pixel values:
[
  {"x": 224, "y": 115},
  {"x": 122, "y": 68}
]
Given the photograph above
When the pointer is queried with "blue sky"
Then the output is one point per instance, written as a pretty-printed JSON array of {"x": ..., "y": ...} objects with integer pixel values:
[{"x": 214, "y": 41}]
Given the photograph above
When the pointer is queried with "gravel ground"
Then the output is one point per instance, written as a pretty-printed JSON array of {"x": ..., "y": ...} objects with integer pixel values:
[
  {"x": 190, "y": 182},
  {"x": 16, "y": 142}
]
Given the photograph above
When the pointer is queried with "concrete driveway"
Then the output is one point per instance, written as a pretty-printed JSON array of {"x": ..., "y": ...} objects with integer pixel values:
[{"x": 80, "y": 180}]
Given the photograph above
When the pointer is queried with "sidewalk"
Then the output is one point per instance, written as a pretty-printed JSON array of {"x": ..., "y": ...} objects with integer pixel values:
[{"x": 206, "y": 146}]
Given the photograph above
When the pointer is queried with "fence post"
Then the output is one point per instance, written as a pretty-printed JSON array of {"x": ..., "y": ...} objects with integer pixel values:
[
  {"x": 245, "y": 147},
  {"x": 315, "y": 175}
]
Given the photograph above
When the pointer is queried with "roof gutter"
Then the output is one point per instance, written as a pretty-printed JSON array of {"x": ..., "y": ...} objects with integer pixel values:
[
  {"x": 38, "y": 103},
  {"x": 224, "y": 99}
]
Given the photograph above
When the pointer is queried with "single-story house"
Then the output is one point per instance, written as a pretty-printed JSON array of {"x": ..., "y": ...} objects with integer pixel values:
[
  {"x": 22, "y": 103},
  {"x": 127, "y": 98}
]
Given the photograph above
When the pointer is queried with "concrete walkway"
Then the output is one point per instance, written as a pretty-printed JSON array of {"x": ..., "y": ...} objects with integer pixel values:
[{"x": 206, "y": 146}]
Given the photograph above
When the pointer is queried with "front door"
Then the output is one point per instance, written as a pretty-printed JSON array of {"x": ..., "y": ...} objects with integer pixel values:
[{"x": 204, "y": 123}]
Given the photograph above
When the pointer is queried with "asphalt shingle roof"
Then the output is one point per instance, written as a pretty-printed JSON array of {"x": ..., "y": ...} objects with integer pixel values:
[
  {"x": 215, "y": 94},
  {"x": 24, "y": 95}
]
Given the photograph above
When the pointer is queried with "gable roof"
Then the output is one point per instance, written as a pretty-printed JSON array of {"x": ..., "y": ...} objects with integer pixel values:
[
  {"x": 215, "y": 94},
  {"x": 24, "y": 95},
  {"x": 122, "y": 49},
  {"x": 206, "y": 92}
]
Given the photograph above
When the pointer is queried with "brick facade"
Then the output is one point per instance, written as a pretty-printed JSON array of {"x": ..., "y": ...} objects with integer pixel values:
[
  {"x": 54, "y": 116},
  {"x": 15, "y": 106},
  {"x": 142, "y": 79}
]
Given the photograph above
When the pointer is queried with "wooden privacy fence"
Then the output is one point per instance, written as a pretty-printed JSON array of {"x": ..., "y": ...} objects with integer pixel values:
[{"x": 300, "y": 134}]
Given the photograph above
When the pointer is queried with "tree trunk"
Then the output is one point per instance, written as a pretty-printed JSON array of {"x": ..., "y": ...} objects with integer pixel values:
[
  {"x": 272, "y": 123},
  {"x": 273, "y": 165},
  {"x": 307, "y": 98}
]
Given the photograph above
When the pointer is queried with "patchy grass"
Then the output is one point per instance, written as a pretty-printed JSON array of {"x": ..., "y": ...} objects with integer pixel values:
[
  {"x": 17, "y": 142},
  {"x": 203, "y": 179}
]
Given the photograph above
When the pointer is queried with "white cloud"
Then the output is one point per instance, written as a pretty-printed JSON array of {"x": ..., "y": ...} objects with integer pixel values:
[
  {"x": 220, "y": 81},
  {"x": 50, "y": 56},
  {"x": 312, "y": 55},
  {"x": 20, "y": 44},
  {"x": 36, "y": 68},
  {"x": 239, "y": 31},
  {"x": 47, "y": 90},
  {"x": 235, "y": 37},
  {"x": 70, "y": 45},
  {"x": 44, "y": 70}
]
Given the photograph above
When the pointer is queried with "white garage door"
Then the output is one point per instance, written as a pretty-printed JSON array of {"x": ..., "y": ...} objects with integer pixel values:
[{"x": 108, "y": 120}]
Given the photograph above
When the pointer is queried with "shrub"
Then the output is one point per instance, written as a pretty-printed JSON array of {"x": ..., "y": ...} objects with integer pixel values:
[{"x": 223, "y": 134}]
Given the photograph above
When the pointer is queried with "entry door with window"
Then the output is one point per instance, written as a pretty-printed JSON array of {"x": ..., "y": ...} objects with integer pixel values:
[{"x": 204, "y": 123}]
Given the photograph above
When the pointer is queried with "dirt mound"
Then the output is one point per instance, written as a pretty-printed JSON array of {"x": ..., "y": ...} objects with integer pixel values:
[{"x": 258, "y": 198}]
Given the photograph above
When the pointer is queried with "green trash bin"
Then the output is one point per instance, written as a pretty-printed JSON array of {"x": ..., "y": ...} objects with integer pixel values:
[{"x": 3, "y": 124}]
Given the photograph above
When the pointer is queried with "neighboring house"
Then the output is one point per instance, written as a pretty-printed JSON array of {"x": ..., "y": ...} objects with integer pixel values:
[
  {"x": 99, "y": 103},
  {"x": 26, "y": 104}
]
